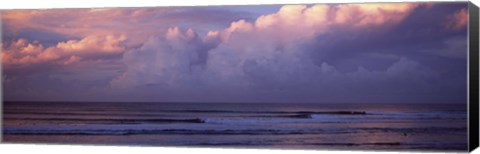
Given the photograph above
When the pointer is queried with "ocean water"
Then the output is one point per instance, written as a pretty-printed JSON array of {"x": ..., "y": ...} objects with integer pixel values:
[{"x": 431, "y": 127}]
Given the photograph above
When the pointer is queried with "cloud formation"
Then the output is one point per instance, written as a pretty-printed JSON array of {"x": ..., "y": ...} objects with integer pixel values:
[
  {"x": 137, "y": 23},
  {"x": 458, "y": 20},
  {"x": 384, "y": 52},
  {"x": 266, "y": 59},
  {"x": 23, "y": 53}
]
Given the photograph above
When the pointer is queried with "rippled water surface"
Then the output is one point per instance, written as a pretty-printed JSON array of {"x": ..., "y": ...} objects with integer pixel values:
[{"x": 294, "y": 125}]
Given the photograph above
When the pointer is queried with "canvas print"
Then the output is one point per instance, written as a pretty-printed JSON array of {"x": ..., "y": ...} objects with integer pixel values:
[{"x": 370, "y": 76}]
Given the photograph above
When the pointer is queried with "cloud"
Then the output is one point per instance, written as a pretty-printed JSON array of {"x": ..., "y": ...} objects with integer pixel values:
[
  {"x": 24, "y": 53},
  {"x": 265, "y": 60},
  {"x": 319, "y": 53},
  {"x": 374, "y": 14},
  {"x": 294, "y": 22},
  {"x": 458, "y": 20},
  {"x": 164, "y": 59},
  {"x": 454, "y": 47},
  {"x": 78, "y": 22},
  {"x": 71, "y": 60},
  {"x": 137, "y": 23},
  {"x": 94, "y": 43}
]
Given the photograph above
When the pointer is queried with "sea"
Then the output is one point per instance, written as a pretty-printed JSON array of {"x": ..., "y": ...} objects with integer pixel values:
[{"x": 342, "y": 126}]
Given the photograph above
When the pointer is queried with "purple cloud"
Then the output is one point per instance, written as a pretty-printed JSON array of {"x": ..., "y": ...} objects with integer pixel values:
[{"x": 320, "y": 53}]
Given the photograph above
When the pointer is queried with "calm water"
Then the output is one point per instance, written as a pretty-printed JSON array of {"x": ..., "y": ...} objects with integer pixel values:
[{"x": 291, "y": 126}]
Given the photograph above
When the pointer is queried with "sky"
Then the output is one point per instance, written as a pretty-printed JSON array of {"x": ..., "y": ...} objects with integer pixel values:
[{"x": 325, "y": 53}]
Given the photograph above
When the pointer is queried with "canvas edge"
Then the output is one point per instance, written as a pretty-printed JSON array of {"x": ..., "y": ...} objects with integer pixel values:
[{"x": 473, "y": 86}]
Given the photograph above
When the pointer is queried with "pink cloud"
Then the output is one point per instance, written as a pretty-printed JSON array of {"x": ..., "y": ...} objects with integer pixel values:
[
  {"x": 94, "y": 43},
  {"x": 136, "y": 23},
  {"x": 294, "y": 22},
  {"x": 373, "y": 14},
  {"x": 458, "y": 20},
  {"x": 71, "y": 60},
  {"x": 23, "y": 52}
]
